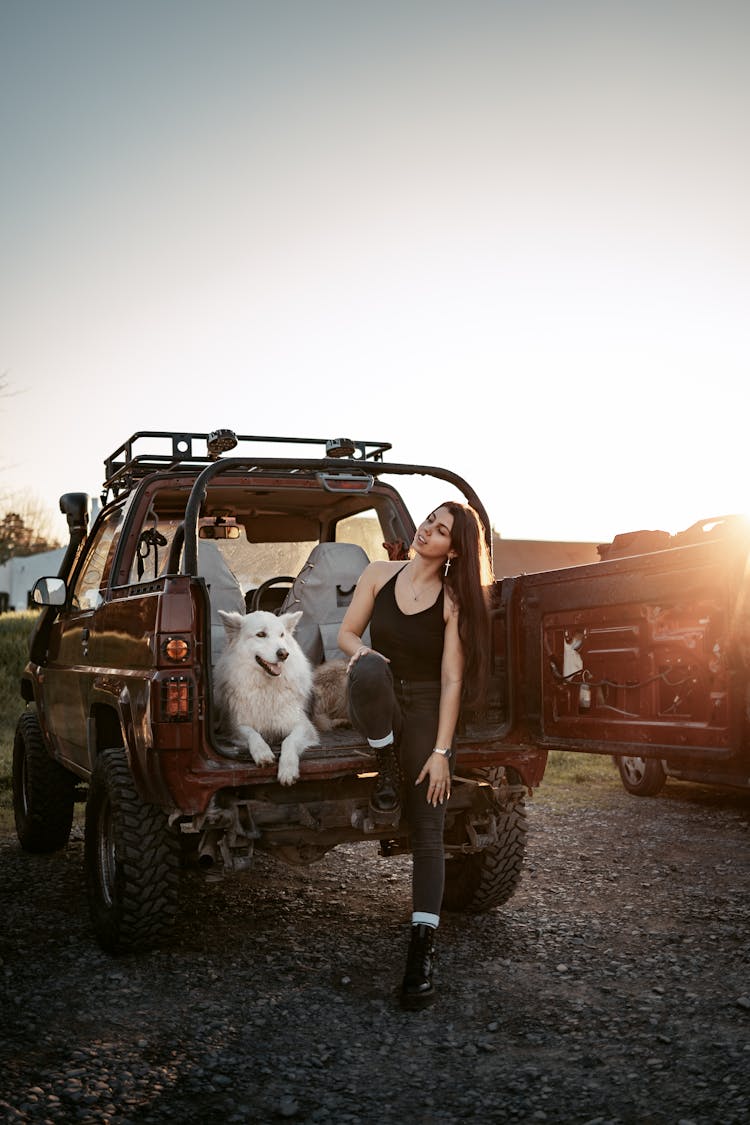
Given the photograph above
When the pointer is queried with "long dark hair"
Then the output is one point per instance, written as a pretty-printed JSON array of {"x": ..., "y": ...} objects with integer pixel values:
[{"x": 468, "y": 580}]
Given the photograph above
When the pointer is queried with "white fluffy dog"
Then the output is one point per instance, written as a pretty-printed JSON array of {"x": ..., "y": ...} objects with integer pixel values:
[{"x": 263, "y": 682}]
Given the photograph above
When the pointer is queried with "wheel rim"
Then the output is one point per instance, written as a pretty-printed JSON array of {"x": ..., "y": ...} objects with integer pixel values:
[
  {"x": 106, "y": 856},
  {"x": 633, "y": 769}
]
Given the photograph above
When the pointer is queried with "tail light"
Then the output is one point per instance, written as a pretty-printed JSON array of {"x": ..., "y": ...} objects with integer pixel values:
[
  {"x": 176, "y": 699},
  {"x": 175, "y": 650}
]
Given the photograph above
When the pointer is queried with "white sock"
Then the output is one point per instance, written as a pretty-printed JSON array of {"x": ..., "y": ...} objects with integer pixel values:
[
  {"x": 379, "y": 743},
  {"x": 421, "y": 918}
]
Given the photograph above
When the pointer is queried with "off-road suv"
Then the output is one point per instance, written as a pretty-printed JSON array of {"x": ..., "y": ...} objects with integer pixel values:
[{"x": 118, "y": 685}]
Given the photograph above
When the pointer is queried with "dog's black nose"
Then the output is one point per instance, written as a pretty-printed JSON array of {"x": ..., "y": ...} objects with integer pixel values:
[{"x": 281, "y": 654}]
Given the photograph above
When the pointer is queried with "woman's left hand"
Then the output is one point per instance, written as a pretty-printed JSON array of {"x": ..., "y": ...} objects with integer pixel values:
[{"x": 437, "y": 769}]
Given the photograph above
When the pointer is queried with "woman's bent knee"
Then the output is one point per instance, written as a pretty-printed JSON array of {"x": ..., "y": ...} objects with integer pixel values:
[
  {"x": 370, "y": 679},
  {"x": 369, "y": 672},
  {"x": 370, "y": 696}
]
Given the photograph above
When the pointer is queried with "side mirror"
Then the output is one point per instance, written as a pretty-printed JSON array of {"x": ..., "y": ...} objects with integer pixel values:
[{"x": 49, "y": 591}]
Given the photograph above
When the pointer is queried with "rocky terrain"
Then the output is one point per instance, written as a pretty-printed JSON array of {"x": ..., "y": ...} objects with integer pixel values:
[{"x": 614, "y": 987}]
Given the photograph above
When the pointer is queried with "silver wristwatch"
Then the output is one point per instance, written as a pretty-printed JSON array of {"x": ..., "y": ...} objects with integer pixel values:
[{"x": 446, "y": 752}]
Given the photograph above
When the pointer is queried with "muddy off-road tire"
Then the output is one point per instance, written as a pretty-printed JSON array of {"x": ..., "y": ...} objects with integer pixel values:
[
  {"x": 644, "y": 777},
  {"x": 132, "y": 861},
  {"x": 476, "y": 882},
  {"x": 43, "y": 791}
]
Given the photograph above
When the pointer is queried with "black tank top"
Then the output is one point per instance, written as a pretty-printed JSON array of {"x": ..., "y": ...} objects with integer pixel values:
[{"x": 413, "y": 642}]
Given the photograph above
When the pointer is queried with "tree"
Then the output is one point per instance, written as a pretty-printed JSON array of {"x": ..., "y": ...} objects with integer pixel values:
[{"x": 25, "y": 529}]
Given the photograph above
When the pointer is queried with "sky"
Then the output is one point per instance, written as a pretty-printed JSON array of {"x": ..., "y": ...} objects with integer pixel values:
[{"x": 510, "y": 238}]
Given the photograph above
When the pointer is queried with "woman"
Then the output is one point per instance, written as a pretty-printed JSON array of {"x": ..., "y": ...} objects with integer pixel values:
[{"x": 430, "y": 650}]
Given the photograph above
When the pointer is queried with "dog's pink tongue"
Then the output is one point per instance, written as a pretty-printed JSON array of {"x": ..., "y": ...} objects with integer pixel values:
[{"x": 274, "y": 669}]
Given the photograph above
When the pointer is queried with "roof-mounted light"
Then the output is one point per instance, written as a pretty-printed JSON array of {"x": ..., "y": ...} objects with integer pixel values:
[
  {"x": 220, "y": 441},
  {"x": 340, "y": 447}
]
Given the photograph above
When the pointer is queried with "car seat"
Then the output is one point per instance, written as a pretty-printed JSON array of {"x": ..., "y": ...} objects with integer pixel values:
[
  {"x": 224, "y": 592},
  {"x": 323, "y": 590}
]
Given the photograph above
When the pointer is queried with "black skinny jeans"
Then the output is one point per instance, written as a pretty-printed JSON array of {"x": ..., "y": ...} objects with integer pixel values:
[{"x": 379, "y": 703}]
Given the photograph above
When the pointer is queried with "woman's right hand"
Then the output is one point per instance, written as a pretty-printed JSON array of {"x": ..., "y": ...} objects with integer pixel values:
[{"x": 361, "y": 652}]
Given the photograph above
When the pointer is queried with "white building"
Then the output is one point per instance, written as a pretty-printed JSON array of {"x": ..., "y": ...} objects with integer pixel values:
[{"x": 17, "y": 577}]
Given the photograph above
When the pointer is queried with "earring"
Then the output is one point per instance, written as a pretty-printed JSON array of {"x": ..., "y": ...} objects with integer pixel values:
[{"x": 447, "y": 566}]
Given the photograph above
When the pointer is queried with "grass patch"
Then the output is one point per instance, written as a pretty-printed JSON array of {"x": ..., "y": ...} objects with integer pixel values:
[
  {"x": 574, "y": 778},
  {"x": 572, "y": 767},
  {"x": 15, "y": 630}
]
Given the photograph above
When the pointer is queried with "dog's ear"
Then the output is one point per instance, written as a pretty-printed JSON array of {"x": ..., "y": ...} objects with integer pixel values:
[
  {"x": 232, "y": 622},
  {"x": 291, "y": 619}
]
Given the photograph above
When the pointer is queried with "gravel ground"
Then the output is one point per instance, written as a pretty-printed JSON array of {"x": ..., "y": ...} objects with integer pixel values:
[{"x": 614, "y": 987}]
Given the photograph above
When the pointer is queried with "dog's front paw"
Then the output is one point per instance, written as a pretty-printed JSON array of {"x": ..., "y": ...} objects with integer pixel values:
[
  {"x": 262, "y": 757},
  {"x": 288, "y": 770},
  {"x": 260, "y": 751}
]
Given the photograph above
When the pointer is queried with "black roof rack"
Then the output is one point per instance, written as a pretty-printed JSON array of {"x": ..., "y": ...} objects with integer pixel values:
[{"x": 163, "y": 449}]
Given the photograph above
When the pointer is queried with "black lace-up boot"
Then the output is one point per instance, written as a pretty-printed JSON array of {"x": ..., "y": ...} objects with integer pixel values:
[
  {"x": 385, "y": 800},
  {"x": 417, "y": 990}
]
